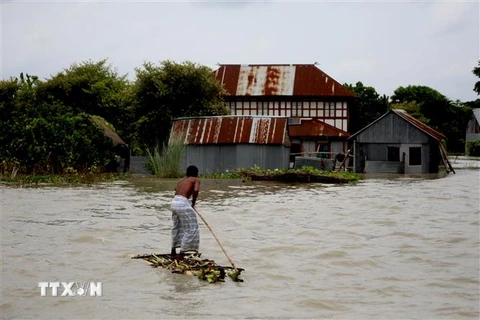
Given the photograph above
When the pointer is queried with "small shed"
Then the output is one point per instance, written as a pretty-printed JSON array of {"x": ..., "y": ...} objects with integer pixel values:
[
  {"x": 473, "y": 126},
  {"x": 218, "y": 144},
  {"x": 397, "y": 143}
]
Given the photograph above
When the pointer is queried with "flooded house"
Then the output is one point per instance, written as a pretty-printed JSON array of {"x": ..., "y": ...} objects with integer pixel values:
[
  {"x": 218, "y": 144},
  {"x": 316, "y": 105},
  {"x": 397, "y": 143}
]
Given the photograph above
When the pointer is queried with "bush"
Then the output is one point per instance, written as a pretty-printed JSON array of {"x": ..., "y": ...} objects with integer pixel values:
[
  {"x": 166, "y": 163},
  {"x": 473, "y": 148}
]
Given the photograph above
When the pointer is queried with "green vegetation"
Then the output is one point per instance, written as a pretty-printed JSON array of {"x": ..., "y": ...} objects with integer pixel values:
[
  {"x": 476, "y": 72},
  {"x": 170, "y": 91},
  {"x": 473, "y": 148},
  {"x": 304, "y": 174},
  {"x": 234, "y": 174},
  {"x": 65, "y": 179},
  {"x": 368, "y": 106},
  {"x": 165, "y": 163}
]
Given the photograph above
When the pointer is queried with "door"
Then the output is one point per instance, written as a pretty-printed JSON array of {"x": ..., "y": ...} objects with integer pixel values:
[{"x": 412, "y": 155}]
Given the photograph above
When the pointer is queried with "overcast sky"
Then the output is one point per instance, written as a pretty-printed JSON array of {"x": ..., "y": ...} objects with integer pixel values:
[{"x": 384, "y": 44}]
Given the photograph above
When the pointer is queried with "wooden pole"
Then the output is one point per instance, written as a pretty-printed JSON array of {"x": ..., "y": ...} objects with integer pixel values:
[
  {"x": 345, "y": 160},
  {"x": 218, "y": 241}
]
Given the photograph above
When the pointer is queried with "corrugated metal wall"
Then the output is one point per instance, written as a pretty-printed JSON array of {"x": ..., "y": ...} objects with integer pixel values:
[
  {"x": 392, "y": 129},
  {"x": 377, "y": 158},
  {"x": 219, "y": 158}
]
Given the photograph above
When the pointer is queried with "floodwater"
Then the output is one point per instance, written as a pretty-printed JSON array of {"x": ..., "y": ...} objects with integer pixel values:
[{"x": 388, "y": 247}]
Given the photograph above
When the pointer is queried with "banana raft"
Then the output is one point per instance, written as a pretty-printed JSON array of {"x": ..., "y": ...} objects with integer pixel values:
[{"x": 193, "y": 264}]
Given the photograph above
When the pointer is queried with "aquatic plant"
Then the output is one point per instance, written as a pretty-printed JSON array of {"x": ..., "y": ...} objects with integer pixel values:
[
  {"x": 304, "y": 174},
  {"x": 166, "y": 163},
  {"x": 64, "y": 179},
  {"x": 234, "y": 174}
]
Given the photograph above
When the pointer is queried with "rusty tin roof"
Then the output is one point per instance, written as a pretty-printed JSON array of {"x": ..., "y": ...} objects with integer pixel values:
[
  {"x": 315, "y": 128},
  {"x": 231, "y": 130},
  {"x": 413, "y": 121},
  {"x": 279, "y": 80}
]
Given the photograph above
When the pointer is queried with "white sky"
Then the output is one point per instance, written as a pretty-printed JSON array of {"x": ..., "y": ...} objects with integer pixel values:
[{"x": 384, "y": 44}]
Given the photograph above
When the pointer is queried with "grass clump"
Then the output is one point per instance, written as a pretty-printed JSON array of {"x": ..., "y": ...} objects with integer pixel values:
[{"x": 165, "y": 163}]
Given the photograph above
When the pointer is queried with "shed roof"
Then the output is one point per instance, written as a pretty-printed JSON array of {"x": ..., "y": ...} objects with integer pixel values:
[
  {"x": 232, "y": 130},
  {"x": 476, "y": 113},
  {"x": 279, "y": 80},
  {"x": 416, "y": 123},
  {"x": 101, "y": 123},
  {"x": 316, "y": 128}
]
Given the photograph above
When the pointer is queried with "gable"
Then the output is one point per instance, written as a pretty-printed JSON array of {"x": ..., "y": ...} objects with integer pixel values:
[
  {"x": 392, "y": 129},
  {"x": 387, "y": 128}
]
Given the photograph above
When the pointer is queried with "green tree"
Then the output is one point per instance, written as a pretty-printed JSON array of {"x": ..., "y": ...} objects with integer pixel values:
[
  {"x": 93, "y": 88},
  {"x": 46, "y": 136},
  {"x": 18, "y": 101},
  {"x": 368, "y": 106},
  {"x": 171, "y": 90},
  {"x": 476, "y": 72}
]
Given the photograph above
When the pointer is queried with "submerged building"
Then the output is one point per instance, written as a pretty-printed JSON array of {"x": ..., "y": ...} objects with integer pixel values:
[
  {"x": 397, "y": 143},
  {"x": 218, "y": 144}
]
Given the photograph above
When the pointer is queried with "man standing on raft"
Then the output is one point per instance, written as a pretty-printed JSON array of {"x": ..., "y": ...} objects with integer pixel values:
[{"x": 185, "y": 231}]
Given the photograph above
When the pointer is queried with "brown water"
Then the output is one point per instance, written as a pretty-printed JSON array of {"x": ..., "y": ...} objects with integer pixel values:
[{"x": 388, "y": 247}]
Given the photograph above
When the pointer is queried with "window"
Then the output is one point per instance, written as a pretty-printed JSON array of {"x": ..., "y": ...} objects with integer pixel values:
[
  {"x": 296, "y": 109},
  {"x": 261, "y": 108},
  {"x": 393, "y": 154},
  {"x": 415, "y": 156},
  {"x": 329, "y": 109}
]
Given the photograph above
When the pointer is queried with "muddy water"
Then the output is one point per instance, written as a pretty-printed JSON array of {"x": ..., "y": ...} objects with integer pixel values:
[{"x": 388, "y": 247}]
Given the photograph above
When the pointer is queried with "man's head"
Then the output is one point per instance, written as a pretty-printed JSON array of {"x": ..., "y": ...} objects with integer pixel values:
[{"x": 192, "y": 171}]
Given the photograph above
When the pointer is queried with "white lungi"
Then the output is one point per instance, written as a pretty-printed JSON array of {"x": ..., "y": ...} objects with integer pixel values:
[{"x": 185, "y": 232}]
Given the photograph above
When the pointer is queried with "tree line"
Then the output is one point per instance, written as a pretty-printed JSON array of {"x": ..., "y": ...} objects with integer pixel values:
[{"x": 46, "y": 125}]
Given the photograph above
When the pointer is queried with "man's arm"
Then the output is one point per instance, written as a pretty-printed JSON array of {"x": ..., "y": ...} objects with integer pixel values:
[{"x": 196, "y": 190}]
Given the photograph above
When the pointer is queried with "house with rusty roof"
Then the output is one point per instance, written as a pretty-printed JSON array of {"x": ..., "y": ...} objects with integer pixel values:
[
  {"x": 316, "y": 105},
  {"x": 398, "y": 143},
  {"x": 218, "y": 144}
]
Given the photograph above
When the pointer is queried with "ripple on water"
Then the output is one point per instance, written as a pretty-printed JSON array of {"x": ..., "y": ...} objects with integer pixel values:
[
  {"x": 363, "y": 264},
  {"x": 332, "y": 254},
  {"x": 321, "y": 304},
  {"x": 88, "y": 239},
  {"x": 406, "y": 235}
]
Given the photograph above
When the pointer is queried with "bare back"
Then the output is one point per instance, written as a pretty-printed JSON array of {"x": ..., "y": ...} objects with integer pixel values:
[{"x": 189, "y": 186}]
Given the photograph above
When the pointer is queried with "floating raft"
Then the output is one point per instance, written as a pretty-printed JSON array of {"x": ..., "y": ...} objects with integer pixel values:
[{"x": 192, "y": 264}]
